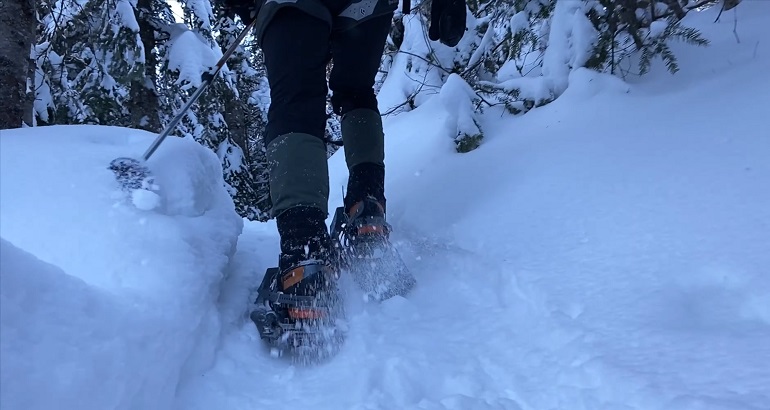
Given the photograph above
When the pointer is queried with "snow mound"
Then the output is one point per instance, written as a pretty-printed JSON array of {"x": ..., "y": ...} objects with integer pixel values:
[{"x": 104, "y": 304}]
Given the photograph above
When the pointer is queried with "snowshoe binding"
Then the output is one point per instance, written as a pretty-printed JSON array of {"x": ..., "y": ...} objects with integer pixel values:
[
  {"x": 298, "y": 308},
  {"x": 299, "y": 311},
  {"x": 366, "y": 251}
]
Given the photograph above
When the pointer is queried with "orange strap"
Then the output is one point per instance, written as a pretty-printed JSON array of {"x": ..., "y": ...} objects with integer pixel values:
[{"x": 296, "y": 313}]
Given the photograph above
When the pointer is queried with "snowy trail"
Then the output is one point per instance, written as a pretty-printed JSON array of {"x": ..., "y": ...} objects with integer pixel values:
[
  {"x": 406, "y": 353},
  {"x": 579, "y": 259},
  {"x": 457, "y": 344}
]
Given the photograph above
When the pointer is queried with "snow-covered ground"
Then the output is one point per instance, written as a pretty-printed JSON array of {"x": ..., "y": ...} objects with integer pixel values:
[
  {"x": 607, "y": 251},
  {"x": 103, "y": 306}
]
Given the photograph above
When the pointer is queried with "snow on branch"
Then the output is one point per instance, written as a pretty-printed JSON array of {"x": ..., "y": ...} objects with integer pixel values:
[
  {"x": 190, "y": 55},
  {"x": 520, "y": 54},
  {"x": 570, "y": 43},
  {"x": 457, "y": 98}
]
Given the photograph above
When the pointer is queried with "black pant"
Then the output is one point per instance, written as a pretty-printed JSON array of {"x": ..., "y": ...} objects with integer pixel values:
[{"x": 297, "y": 49}]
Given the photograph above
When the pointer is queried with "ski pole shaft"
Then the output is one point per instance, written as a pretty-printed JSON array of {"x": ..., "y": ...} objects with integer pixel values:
[{"x": 207, "y": 78}]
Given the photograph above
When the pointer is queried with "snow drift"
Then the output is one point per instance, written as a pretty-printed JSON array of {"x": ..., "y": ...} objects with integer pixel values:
[{"x": 105, "y": 305}]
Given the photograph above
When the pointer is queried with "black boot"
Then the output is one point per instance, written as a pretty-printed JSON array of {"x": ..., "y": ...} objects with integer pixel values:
[
  {"x": 365, "y": 180},
  {"x": 307, "y": 256},
  {"x": 298, "y": 303},
  {"x": 365, "y": 205},
  {"x": 375, "y": 264}
]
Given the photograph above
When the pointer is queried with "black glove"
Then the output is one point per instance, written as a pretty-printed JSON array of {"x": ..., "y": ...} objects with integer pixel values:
[
  {"x": 447, "y": 21},
  {"x": 245, "y": 9}
]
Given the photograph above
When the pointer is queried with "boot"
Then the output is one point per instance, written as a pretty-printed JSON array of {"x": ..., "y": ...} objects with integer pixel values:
[
  {"x": 297, "y": 306},
  {"x": 361, "y": 228},
  {"x": 365, "y": 204},
  {"x": 306, "y": 263}
]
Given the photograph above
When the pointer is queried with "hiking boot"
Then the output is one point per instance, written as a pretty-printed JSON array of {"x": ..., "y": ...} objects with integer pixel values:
[
  {"x": 306, "y": 263},
  {"x": 365, "y": 204},
  {"x": 366, "y": 180},
  {"x": 366, "y": 223},
  {"x": 298, "y": 306},
  {"x": 364, "y": 236},
  {"x": 375, "y": 264}
]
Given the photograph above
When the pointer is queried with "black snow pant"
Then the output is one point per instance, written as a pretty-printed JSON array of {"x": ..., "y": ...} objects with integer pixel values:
[{"x": 297, "y": 49}]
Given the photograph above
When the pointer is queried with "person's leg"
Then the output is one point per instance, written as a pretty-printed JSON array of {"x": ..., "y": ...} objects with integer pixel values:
[
  {"x": 296, "y": 47},
  {"x": 375, "y": 266},
  {"x": 357, "y": 53}
]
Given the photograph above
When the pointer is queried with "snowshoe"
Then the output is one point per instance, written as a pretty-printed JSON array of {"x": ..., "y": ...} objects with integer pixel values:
[
  {"x": 308, "y": 325},
  {"x": 366, "y": 251}
]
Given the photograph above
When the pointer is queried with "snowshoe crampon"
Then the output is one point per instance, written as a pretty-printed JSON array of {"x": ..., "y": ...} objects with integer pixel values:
[
  {"x": 366, "y": 252},
  {"x": 308, "y": 328}
]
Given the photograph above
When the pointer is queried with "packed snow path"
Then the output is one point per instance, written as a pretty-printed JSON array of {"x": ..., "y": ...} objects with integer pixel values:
[
  {"x": 438, "y": 349},
  {"x": 471, "y": 337}
]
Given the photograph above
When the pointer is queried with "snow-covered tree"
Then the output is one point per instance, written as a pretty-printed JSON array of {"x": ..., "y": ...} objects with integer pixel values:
[
  {"x": 220, "y": 119},
  {"x": 639, "y": 30},
  {"x": 246, "y": 119},
  {"x": 519, "y": 53},
  {"x": 130, "y": 63},
  {"x": 96, "y": 62}
]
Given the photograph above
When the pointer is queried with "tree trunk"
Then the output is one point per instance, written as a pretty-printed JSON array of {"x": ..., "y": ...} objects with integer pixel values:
[
  {"x": 235, "y": 110},
  {"x": 144, "y": 105},
  {"x": 17, "y": 32}
]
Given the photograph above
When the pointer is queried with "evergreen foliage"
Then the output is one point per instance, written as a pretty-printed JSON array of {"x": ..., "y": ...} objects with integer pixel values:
[
  {"x": 518, "y": 53},
  {"x": 114, "y": 62}
]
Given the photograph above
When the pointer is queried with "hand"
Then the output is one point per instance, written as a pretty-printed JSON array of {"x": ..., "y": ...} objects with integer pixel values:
[
  {"x": 447, "y": 21},
  {"x": 245, "y": 9}
]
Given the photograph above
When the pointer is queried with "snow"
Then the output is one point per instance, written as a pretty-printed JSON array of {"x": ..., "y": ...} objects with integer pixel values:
[
  {"x": 417, "y": 74},
  {"x": 657, "y": 28},
  {"x": 124, "y": 10},
  {"x": 606, "y": 251},
  {"x": 456, "y": 97},
  {"x": 145, "y": 199},
  {"x": 105, "y": 305},
  {"x": 571, "y": 38},
  {"x": 190, "y": 54},
  {"x": 519, "y": 21},
  {"x": 202, "y": 11}
]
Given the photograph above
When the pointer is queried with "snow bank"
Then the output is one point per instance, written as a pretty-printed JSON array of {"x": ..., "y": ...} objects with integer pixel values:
[
  {"x": 105, "y": 305},
  {"x": 630, "y": 219}
]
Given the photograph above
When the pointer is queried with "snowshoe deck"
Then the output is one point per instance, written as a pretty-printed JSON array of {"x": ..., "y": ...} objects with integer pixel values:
[
  {"x": 375, "y": 264},
  {"x": 312, "y": 327},
  {"x": 307, "y": 326}
]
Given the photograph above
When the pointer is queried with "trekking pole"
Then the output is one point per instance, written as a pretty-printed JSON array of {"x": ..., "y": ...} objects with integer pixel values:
[{"x": 130, "y": 172}]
